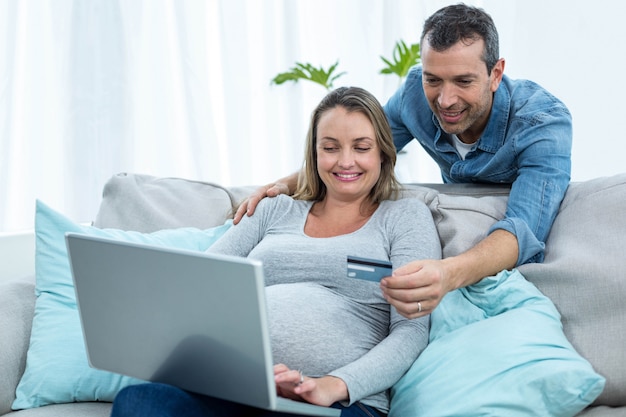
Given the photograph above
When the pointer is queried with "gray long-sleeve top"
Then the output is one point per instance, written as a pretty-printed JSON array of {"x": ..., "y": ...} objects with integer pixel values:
[{"x": 323, "y": 322}]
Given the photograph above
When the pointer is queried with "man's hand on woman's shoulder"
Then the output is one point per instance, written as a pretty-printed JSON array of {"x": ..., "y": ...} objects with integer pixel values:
[{"x": 249, "y": 204}]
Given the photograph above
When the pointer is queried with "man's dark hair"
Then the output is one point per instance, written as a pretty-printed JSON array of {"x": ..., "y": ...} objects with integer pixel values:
[{"x": 461, "y": 22}]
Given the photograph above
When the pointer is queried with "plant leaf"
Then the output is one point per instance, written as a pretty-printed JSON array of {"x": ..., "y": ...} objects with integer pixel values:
[
  {"x": 306, "y": 71},
  {"x": 403, "y": 58}
]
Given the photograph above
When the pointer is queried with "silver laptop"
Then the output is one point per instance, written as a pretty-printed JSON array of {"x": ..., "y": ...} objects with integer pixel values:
[{"x": 190, "y": 319}]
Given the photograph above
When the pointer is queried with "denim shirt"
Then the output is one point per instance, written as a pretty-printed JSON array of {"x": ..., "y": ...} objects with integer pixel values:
[{"x": 527, "y": 143}]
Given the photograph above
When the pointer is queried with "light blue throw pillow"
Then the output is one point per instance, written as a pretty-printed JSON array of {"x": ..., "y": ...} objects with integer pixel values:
[
  {"x": 497, "y": 349},
  {"x": 57, "y": 370}
]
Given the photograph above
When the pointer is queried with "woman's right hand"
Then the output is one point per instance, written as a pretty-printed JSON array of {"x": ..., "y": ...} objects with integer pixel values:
[{"x": 323, "y": 391}]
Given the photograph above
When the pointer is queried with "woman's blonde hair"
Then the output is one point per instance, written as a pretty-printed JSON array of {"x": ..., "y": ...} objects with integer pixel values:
[{"x": 353, "y": 99}]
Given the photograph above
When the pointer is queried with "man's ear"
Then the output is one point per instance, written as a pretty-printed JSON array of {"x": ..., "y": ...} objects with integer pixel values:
[{"x": 496, "y": 74}]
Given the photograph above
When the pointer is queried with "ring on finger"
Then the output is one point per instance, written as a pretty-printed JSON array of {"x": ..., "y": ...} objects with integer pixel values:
[
  {"x": 301, "y": 379},
  {"x": 419, "y": 307}
]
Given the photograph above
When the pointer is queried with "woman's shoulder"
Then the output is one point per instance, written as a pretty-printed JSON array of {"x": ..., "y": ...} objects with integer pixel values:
[
  {"x": 407, "y": 215},
  {"x": 271, "y": 202},
  {"x": 280, "y": 203}
]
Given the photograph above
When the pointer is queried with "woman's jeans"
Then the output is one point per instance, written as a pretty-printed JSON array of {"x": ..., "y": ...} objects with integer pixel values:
[{"x": 161, "y": 400}]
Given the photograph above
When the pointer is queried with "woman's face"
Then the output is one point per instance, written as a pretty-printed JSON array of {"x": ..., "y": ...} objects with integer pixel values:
[{"x": 348, "y": 157}]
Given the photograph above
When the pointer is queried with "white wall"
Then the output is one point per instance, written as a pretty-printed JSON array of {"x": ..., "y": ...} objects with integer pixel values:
[
  {"x": 74, "y": 115},
  {"x": 17, "y": 255},
  {"x": 571, "y": 47},
  {"x": 574, "y": 48}
]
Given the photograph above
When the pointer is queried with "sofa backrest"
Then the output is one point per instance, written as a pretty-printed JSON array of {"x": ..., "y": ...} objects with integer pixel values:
[{"x": 584, "y": 272}]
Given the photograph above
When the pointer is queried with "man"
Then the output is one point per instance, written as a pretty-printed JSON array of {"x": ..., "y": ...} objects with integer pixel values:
[{"x": 480, "y": 126}]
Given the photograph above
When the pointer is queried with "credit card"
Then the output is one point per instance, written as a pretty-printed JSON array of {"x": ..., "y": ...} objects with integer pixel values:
[{"x": 368, "y": 269}]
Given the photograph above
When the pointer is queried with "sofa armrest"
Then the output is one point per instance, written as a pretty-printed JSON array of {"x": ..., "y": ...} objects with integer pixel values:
[
  {"x": 17, "y": 304},
  {"x": 17, "y": 254}
]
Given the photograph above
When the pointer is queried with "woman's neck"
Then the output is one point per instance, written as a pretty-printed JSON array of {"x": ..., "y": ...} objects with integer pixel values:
[{"x": 330, "y": 218}]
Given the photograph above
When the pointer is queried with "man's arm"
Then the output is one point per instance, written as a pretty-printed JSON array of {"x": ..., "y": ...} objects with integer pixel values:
[
  {"x": 427, "y": 281},
  {"x": 286, "y": 185}
]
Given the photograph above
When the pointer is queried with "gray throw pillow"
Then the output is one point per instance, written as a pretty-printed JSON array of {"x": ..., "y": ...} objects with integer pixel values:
[
  {"x": 463, "y": 221},
  {"x": 145, "y": 203}
]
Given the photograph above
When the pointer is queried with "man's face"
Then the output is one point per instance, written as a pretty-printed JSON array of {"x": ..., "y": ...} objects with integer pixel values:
[{"x": 458, "y": 88}]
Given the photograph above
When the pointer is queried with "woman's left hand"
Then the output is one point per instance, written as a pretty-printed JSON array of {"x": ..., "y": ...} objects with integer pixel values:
[{"x": 320, "y": 391}]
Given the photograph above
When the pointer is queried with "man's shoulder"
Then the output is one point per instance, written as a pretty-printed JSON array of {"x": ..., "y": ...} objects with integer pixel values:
[
  {"x": 415, "y": 72},
  {"x": 411, "y": 92},
  {"x": 529, "y": 97},
  {"x": 413, "y": 78}
]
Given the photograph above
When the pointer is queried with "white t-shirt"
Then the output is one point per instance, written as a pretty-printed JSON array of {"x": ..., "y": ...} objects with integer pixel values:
[{"x": 461, "y": 147}]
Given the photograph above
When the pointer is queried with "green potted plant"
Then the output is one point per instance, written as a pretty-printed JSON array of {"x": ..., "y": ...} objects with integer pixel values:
[
  {"x": 306, "y": 71},
  {"x": 403, "y": 58}
]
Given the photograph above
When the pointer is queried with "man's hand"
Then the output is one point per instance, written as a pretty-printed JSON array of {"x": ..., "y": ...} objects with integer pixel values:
[
  {"x": 249, "y": 204},
  {"x": 286, "y": 185},
  {"x": 416, "y": 288},
  {"x": 322, "y": 391}
]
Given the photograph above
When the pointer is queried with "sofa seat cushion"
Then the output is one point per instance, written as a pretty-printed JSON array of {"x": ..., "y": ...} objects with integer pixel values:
[{"x": 82, "y": 409}]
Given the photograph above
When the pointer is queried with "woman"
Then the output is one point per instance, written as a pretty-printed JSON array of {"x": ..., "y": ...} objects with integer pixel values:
[{"x": 335, "y": 339}]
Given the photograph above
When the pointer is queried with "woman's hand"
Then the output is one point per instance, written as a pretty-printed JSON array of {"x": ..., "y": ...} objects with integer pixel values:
[{"x": 320, "y": 391}]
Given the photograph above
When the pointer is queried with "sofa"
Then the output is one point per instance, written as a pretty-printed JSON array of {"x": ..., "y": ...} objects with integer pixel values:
[{"x": 582, "y": 283}]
